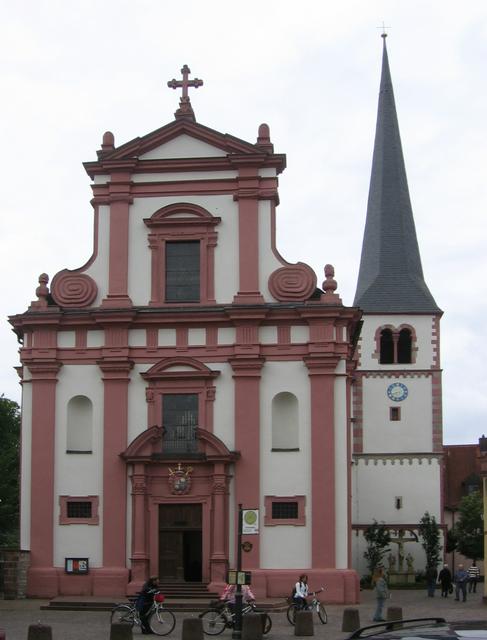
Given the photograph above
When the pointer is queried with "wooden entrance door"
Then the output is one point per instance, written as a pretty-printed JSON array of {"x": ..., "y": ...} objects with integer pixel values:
[{"x": 180, "y": 542}]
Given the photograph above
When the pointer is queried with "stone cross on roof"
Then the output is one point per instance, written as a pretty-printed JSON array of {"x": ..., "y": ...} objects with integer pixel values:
[{"x": 185, "y": 110}]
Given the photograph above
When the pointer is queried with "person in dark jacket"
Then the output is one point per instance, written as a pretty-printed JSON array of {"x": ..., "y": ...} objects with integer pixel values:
[
  {"x": 444, "y": 579},
  {"x": 431, "y": 576},
  {"x": 144, "y": 601}
]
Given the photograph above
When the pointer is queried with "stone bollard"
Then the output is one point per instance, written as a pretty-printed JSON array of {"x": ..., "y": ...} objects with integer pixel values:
[
  {"x": 394, "y": 613},
  {"x": 192, "y": 629},
  {"x": 252, "y": 626},
  {"x": 39, "y": 632},
  {"x": 121, "y": 631},
  {"x": 351, "y": 620},
  {"x": 303, "y": 625}
]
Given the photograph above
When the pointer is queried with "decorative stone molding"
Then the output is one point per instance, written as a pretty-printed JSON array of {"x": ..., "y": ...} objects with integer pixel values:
[
  {"x": 295, "y": 282},
  {"x": 73, "y": 289}
]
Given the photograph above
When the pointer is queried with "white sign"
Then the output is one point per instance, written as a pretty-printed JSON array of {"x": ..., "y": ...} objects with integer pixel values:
[{"x": 250, "y": 521}]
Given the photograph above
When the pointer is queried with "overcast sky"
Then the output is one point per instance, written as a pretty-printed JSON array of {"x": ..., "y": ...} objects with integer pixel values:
[{"x": 73, "y": 69}]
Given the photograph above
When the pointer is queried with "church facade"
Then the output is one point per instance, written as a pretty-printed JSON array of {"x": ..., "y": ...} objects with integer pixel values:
[{"x": 187, "y": 370}]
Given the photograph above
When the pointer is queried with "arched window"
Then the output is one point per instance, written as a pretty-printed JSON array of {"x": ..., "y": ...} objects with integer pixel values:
[
  {"x": 386, "y": 347},
  {"x": 404, "y": 346},
  {"x": 79, "y": 436},
  {"x": 285, "y": 422}
]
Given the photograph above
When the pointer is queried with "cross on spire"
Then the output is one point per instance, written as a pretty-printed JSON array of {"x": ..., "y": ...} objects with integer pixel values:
[
  {"x": 185, "y": 110},
  {"x": 384, "y": 32}
]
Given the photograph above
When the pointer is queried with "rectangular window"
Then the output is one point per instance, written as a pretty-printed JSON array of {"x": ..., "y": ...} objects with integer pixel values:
[
  {"x": 289, "y": 510},
  {"x": 79, "y": 509},
  {"x": 284, "y": 510},
  {"x": 183, "y": 271},
  {"x": 180, "y": 420},
  {"x": 395, "y": 413}
]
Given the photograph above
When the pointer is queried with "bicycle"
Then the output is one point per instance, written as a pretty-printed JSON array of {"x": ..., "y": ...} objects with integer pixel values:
[
  {"x": 220, "y": 617},
  {"x": 161, "y": 620},
  {"x": 314, "y": 605}
]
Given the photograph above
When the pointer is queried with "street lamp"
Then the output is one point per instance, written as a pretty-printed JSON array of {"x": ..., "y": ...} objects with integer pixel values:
[{"x": 483, "y": 473}]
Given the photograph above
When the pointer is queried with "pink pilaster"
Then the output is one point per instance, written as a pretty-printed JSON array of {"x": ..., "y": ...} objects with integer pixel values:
[
  {"x": 219, "y": 555},
  {"x": 140, "y": 557},
  {"x": 112, "y": 579},
  {"x": 248, "y": 236},
  {"x": 246, "y": 373},
  {"x": 119, "y": 242},
  {"x": 42, "y": 576},
  {"x": 321, "y": 371}
]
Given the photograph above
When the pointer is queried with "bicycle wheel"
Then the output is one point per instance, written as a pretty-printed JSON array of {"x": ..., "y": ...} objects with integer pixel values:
[
  {"x": 266, "y": 623},
  {"x": 291, "y": 614},
  {"x": 322, "y": 615},
  {"x": 123, "y": 613},
  {"x": 162, "y": 621},
  {"x": 214, "y": 622}
]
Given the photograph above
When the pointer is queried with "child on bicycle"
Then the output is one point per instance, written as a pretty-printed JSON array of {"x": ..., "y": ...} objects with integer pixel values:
[
  {"x": 228, "y": 595},
  {"x": 301, "y": 592}
]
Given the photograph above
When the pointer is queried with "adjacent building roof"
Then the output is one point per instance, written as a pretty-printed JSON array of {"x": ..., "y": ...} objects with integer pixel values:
[{"x": 391, "y": 276}]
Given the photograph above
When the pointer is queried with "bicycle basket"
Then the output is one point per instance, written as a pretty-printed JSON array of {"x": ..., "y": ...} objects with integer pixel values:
[{"x": 159, "y": 597}]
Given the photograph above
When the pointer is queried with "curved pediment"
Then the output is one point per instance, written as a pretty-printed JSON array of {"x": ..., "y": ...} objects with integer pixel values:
[
  {"x": 179, "y": 367},
  {"x": 149, "y": 445}
]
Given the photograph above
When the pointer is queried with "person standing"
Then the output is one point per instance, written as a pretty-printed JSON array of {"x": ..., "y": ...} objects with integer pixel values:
[
  {"x": 473, "y": 577},
  {"x": 461, "y": 579},
  {"x": 381, "y": 593},
  {"x": 431, "y": 576},
  {"x": 445, "y": 580}
]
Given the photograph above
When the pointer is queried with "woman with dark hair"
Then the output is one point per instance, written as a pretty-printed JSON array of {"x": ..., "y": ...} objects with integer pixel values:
[{"x": 301, "y": 592}]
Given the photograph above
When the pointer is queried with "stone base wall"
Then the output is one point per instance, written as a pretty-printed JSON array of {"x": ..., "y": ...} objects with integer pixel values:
[{"x": 13, "y": 573}]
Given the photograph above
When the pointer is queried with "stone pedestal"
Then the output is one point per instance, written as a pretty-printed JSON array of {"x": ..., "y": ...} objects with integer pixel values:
[{"x": 401, "y": 577}]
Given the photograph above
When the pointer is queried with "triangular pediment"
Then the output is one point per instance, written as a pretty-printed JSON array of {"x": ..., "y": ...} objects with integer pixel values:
[
  {"x": 181, "y": 139},
  {"x": 183, "y": 146}
]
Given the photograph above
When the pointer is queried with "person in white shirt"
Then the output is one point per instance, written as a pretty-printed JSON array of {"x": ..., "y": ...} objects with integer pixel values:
[{"x": 301, "y": 592}]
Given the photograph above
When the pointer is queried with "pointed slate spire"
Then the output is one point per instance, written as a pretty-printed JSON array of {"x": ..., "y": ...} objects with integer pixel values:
[{"x": 391, "y": 276}]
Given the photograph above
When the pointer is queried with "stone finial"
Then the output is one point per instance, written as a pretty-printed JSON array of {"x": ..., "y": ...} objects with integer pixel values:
[
  {"x": 108, "y": 141},
  {"x": 329, "y": 286},
  {"x": 264, "y": 138},
  {"x": 42, "y": 293}
]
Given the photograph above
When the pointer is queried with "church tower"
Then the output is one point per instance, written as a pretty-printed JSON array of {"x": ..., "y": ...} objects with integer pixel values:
[{"x": 397, "y": 423}]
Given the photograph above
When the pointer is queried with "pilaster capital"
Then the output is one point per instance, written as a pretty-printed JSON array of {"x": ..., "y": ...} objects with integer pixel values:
[
  {"x": 320, "y": 365},
  {"x": 247, "y": 366}
]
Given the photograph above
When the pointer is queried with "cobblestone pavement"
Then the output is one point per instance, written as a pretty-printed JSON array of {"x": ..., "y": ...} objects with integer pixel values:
[{"x": 17, "y": 615}]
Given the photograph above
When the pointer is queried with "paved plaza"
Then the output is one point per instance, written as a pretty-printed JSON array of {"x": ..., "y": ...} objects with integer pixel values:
[{"x": 17, "y": 615}]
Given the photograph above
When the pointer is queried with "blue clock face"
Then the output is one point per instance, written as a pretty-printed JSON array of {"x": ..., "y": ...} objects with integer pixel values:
[{"x": 397, "y": 391}]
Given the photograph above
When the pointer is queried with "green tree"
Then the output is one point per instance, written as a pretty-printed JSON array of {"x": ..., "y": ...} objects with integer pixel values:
[
  {"x": 378, "y": 540},
  {"x": 470, "y": 526},
  {"x": 9, "y": 476},
  {"x": 429, "y": 532}
]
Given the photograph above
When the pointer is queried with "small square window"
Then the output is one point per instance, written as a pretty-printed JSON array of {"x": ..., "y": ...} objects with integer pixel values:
[
  {"x": 395, "y": 413},
  {"x": 284, "y": 510},
  {"x": 79, "y": 509}
]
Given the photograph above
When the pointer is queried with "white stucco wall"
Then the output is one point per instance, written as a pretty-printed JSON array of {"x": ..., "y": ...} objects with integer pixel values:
[
  {"x": 98, "y": 269},
  {"x": 285, "y": 473},
  {"x": 342, "y": 463},
  {"x": 267, "y": 260},
  {"x": 184, "y": 146},
  {"x": 413, "y": 432},
  {"x": 224, "y": 405},
  {"x": 78, "y": 474}
]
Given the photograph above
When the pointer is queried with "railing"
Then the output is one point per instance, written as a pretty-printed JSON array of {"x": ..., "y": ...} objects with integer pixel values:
[{"x": 180, "y": 440}]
